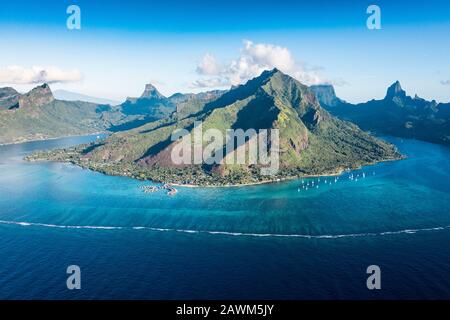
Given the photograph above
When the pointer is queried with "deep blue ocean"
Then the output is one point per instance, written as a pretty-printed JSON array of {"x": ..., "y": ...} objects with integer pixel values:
[{"x": 275, "y": 241}]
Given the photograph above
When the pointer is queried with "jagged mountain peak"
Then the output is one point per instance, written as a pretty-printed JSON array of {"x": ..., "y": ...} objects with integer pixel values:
[
  {"x": 270, "y": 73},
  {"x": 42, "y": 89},
  {"x": 395, "y": 90},
  {"x": 38, "y": 96},
  {"x": 151, "y": 92},
  {"x": 326, "y": 95},
  {"x": 152, "y": 104}
]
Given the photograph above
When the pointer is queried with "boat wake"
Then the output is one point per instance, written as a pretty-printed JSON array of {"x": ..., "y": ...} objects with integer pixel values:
[{"x": 226, "y": 233}]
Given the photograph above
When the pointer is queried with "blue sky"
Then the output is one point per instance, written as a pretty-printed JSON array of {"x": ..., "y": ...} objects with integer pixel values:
[{"x": 123, "y": 45}]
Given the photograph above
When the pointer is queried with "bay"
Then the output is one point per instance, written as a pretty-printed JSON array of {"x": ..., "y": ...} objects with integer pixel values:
[{"x": 274, "y": 241}]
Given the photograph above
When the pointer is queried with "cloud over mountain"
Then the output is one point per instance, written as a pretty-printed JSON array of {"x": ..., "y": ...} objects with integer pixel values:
[
  {"x": 253, "y": 59},
  {"x": 15, "y": 74}
]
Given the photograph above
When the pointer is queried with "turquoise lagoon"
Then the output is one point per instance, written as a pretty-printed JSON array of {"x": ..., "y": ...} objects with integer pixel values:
[{"x": 273, "y": 241}]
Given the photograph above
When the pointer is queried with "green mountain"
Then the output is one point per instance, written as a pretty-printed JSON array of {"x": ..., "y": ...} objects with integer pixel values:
[
  {"x": 398, "y": 115},
  {"x": 38, "y": 115},
  {"x": 312, "y": 142}
]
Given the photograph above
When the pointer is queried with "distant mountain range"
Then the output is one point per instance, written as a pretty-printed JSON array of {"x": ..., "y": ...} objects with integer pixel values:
[
  {"x": 152, "y": 106},
  {"x": 38, "y": 114},
  {"x": 73, "y": 96},
  {"x": 312, "y": 142},
  {"x": 156, "y": 106},
  {"x": 397, "y": 114}
]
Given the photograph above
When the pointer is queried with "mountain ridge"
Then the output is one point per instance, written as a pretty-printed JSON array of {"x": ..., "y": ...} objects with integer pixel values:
[{"x": 38, "y": 115}]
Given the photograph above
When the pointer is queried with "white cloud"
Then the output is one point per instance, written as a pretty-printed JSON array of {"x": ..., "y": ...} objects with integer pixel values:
[
  {"x": 254, "y": 58},
  {"x": 37, "y": 74},
  {"x": 210, "y": 82},
  {"x": 208, "y": 65}
]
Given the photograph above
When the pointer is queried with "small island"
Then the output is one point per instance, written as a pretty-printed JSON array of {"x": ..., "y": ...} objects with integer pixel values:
[{"x": 312, "y": 142}]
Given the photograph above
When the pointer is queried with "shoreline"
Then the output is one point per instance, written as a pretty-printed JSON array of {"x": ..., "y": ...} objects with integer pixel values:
[
  {"x": 279, "y": 180},
  {"x": 334, "y": 174},
  {"x": 256, "y": 183},
  {"x": 337, "y": 172},
  {"x": 49, "y": 139}
]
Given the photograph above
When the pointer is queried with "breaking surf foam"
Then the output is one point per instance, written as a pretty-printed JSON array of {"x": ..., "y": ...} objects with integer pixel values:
[{"x": 226, "y": 233}]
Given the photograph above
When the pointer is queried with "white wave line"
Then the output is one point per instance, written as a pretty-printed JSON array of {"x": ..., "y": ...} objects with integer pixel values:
[{"x": 227, "y": 233}]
